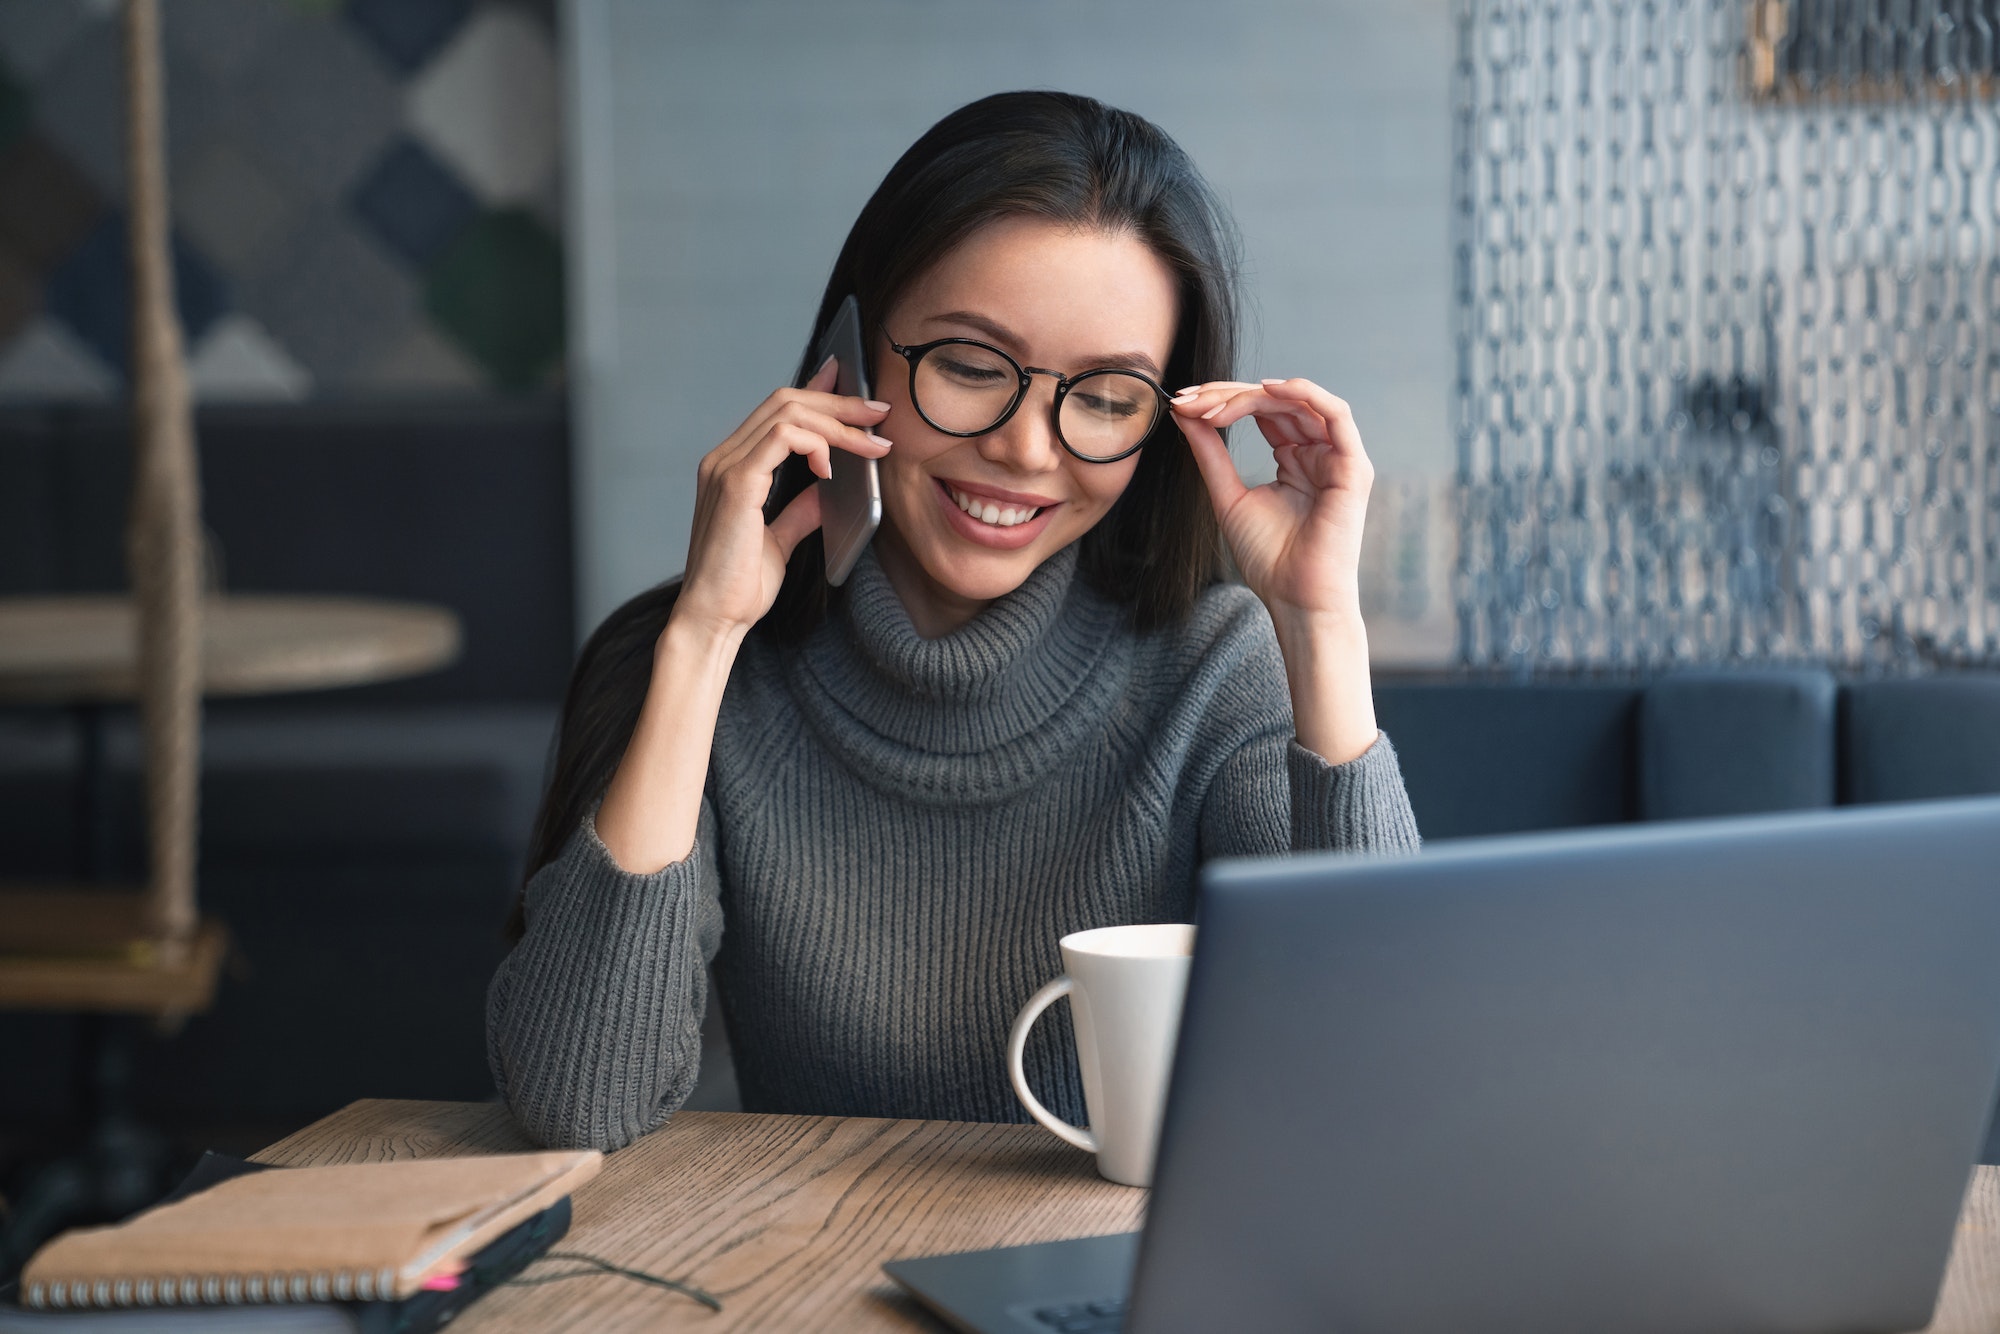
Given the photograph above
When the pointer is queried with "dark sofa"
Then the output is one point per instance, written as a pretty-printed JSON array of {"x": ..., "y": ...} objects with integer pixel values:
[{"x": 1485, "y": 757}]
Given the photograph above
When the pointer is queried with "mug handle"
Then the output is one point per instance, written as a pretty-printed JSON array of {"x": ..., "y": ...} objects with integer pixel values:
[{"x": 1017, "y": 1043}]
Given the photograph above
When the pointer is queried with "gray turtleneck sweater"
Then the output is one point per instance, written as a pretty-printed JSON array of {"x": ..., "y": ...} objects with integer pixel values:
[{"x": 896, "y": 832}]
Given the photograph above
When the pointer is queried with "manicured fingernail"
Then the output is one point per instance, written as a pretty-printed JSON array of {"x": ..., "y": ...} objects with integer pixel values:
[
  {"x": 1212, "y": 411},
  {"x": 879, "y": 407},
  {"x": 822, "y": 367},
  {"x": 1191, "y": 389},
  {"x": 1184, "y": 396},
  {"x": 1272, "y": 381},
  {"x": 883, "y": 441}
]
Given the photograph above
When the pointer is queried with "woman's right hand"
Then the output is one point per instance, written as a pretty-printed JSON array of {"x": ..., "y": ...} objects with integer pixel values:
[{"x": 736, "y": 561}]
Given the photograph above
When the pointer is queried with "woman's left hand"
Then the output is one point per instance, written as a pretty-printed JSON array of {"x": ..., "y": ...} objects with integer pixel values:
[
  {"x": 1297, "y": 543},
  {"x": 1297, "y": 538}
]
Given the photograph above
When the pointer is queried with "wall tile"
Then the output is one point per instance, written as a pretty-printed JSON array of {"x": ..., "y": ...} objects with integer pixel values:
[
  {"x": 78, "y": 101},
  {"x": 407, "y": 32},
  {"x": 202, "y": 111},
  {"x": 327, "y": 294},
  {"x": 322, "y": 107},
  {"x": 48, "y": 362},
  {"x": 34, "y": 33},
  {"x": 20, "y": 294},
  {"x": 46, "y": 205},
  {"x": 90, "y": 291},
  {"x": 487, "y": 105},
  {"x": 238, "y": 361},
  {"x": 233, "y": 206},
  {"x": 497, "y": 290},
  {"x": 413, "y": 202},
  {"x": 221, "y": 36},
  {"x": 16, "y": 113},
  {"x": 423, "y": 361},
  {"x": 547, "y": 203},
  {"x": 316, "y": 211}
]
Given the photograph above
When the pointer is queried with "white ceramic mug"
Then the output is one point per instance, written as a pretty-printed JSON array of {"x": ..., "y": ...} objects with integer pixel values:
[{"x": 1125, "y": 986}]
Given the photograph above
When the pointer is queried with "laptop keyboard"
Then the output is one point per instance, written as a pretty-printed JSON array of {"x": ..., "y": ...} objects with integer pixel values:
[{"x": 1105, "y": 1317}]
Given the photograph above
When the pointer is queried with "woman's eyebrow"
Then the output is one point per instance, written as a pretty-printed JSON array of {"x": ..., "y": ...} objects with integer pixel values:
[{"x": 1006, "y": 338}]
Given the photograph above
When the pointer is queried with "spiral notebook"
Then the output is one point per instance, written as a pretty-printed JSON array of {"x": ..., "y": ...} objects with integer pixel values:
[{"x": 348, "y": 1232}]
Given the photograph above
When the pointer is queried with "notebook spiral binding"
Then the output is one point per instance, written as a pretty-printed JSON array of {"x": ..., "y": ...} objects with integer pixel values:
[{"x": 235, "y": 1290}]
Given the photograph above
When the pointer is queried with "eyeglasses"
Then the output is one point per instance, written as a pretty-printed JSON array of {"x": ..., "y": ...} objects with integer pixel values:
[{"x": 964, "y": 387}]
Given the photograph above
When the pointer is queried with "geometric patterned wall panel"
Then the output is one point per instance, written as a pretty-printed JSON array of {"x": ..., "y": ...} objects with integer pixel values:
[
  {"x": 1727, "y": 321},
  {"x": 365, "y": 197}
]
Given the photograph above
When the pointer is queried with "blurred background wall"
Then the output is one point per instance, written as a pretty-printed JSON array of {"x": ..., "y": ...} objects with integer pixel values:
[
  {"x": 366, "y": 198},
  {"x": 720, "y": 152}
]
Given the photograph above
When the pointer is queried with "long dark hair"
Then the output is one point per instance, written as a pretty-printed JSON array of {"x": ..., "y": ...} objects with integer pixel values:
[{"x": 1056, "y": 156}]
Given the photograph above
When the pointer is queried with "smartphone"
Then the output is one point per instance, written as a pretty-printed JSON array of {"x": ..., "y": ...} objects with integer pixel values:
[{"x": 850, "y": 502}]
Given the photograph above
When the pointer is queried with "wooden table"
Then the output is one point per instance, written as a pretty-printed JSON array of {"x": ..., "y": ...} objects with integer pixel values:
[
  {"x": 76, "y": 650},
  {"x": 788, "y": 1218}
]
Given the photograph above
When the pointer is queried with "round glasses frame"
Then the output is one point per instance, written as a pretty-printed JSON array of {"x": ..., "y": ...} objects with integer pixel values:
[{"x": 1026, "y": 377}]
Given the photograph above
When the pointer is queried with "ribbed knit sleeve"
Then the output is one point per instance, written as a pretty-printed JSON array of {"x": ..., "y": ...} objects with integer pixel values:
[
  {"x": 1360, "y": 806},
  {"x": 1273, "y": 796},
  {"x": 1269, "y": 794},
  {"x": 593, "y": 1022}
]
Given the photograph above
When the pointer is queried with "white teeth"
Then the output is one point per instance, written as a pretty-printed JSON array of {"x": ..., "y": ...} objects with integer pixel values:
[{"x": 988, "y": 512}]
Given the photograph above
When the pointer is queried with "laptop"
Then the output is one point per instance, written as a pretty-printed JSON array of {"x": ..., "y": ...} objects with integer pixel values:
[{"x": 1726, "y": 1075}]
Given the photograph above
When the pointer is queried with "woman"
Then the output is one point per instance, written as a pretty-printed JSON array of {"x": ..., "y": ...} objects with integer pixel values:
[{"x": 1033, "y": 708}]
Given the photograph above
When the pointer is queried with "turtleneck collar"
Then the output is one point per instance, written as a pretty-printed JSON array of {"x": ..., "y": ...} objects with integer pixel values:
[{"x": 978, "y": 712}]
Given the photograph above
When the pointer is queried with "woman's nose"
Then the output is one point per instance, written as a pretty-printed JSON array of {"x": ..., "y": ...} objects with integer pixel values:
[{"x": 1026, "y": 441}]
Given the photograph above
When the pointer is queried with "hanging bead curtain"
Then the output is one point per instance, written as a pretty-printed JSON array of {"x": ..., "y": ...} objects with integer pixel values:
[{"x": 1726, "y": 284}]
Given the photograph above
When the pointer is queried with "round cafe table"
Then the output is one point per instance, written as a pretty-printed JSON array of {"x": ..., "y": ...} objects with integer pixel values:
[{"x": 81, "y": 652}]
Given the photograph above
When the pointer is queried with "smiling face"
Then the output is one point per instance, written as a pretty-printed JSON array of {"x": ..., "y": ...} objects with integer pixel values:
[{"x": 966, "y": 520}]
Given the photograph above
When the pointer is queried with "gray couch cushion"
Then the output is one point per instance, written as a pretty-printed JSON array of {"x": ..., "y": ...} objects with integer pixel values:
[
  {"x": 1909, "y": 740},
  {"x": 1736, "y": 742},
  {"x": 1493, "y": 759}
]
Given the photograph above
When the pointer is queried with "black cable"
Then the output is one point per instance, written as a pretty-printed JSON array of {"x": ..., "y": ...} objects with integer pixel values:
[{"x": 601, "y": 1266}]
